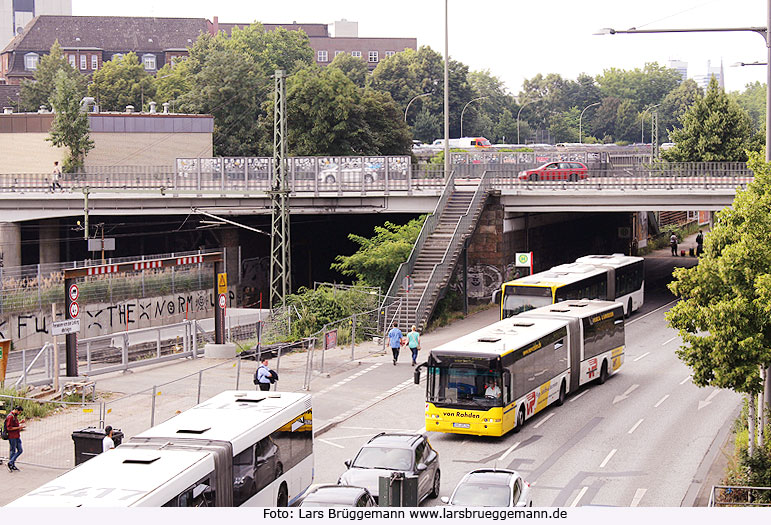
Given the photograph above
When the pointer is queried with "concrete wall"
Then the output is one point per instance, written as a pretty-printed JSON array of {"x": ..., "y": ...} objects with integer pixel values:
[
  {"x": 147, "y": 149},
  {"x": 32, "y": 153}
]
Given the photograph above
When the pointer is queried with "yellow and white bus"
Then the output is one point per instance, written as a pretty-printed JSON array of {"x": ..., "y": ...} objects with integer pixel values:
[
  {"x": 491, "y": 381},
  {"x": 616, "y": 277},
  {"x": 249, "y": 448}
]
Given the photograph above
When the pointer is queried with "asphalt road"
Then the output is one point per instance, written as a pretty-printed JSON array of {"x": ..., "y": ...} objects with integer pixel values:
[{"x": 638, "y": 440}]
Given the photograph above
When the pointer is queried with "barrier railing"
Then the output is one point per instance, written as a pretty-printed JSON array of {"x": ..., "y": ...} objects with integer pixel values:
[{"x": 739, "y": 496}]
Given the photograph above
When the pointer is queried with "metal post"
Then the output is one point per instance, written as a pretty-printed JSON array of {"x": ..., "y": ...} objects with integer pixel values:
[
  {"x": 71, "y": 339},
  {"x": 152, "y": 410},
  {"x": 124, "y": 356},
  {"x": 200, "y": 380},
  {"x": 278, "y": 366},
  {"x": 306, "y": 379},
  {"x": 158, "y": 343},
  {"x": 447, "y": 93},
  {"x": 323, "y": 348},
  {"x": 280, "y": 244},
  {"x": 353, "y": 335},
  {"x": 238, "y": 373},
  {"x": 219, "y": 313}
]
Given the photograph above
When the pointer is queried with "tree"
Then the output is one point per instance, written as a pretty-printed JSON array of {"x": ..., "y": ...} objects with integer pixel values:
[
  {"x": 122, "y": 82},
  {"x": 753, "y": 101},
  {"x": 37, "y": 92},
  {"x": 714, "y": 129},
  {"x": 564, "y": 126},
  {"x": 172, "y": 82},
  {"x": 724, "y": 315},
  {"x": 378, "y": 258},
  {"x": 354, "y": 68},
  {"x": 70, "y": 127},
  {"x": 427, "y": 126},
  {"x": 676, "y": 103},
  {"x": 644, "y": 87}
]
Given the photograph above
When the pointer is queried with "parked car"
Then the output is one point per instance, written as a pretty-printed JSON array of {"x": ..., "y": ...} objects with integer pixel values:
[
  {"x": 572, "y": 171},
  {"x": 386, "y": 453},
  {"x": 338, "y": 496},
  {"x": 491, "y": 488},
  {"x": 331, "y": 174}
]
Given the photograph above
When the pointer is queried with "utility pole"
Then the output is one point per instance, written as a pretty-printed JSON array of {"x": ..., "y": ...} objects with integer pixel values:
[
  {"x": 280, "y": 261},
  {"x": 655, "y": 150}
]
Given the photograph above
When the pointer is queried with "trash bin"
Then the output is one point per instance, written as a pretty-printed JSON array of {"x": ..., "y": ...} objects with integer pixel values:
[{"x": 88, "y": 442}]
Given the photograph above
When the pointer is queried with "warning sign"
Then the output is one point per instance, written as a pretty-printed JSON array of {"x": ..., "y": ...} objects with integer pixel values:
[
  {"x": 74, "y": 292},
  {"x": 74, "y": 310},
  {"x": 222, "y": 283}
]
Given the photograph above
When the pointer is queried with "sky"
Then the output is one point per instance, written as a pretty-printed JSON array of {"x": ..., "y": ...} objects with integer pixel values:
[{"x": 514, "y": 39}]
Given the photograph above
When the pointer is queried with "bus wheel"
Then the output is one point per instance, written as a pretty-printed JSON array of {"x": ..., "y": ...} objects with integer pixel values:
[
  {"x": 603, "y": 373},
  {"x": 283, "y": 498},
  {"x": 520, "y": 419},
  {"x": 561, "y": 399},
  {"x": 628, "y": 308}
]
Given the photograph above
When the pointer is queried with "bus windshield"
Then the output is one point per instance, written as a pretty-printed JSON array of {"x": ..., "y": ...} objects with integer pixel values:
[
  {"x": 518, "y": 299},
  {"x": 472, "y": 383}
]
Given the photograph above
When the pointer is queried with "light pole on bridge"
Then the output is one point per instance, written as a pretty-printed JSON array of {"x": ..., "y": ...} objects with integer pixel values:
[
  {"x": 520, "y": 111},
  {"x": 581, "y": 118},
  {"x": 464, "y": 110},
  {"x": 413, "y": 100}
]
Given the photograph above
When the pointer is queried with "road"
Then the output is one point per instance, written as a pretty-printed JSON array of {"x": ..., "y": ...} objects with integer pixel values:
[{"x": 638, "y": 440}]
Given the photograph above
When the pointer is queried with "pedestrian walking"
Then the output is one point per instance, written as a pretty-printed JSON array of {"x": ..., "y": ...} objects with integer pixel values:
[
  {"x": 413, "y": 341},
  {"x": 395, "y": 340},
  {"x": 699, "y": 243},
  {"x": 14, "y": 428},
  {"x": 56, "y": 175},
  {"x": 107, "y": 442},
  {"x": 263, "y": 377},
  {"x": 673, "y": 244}
]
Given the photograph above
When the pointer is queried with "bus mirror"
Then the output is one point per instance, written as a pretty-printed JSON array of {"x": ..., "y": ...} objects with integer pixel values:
[
  {"x": 416, "y": 376},
  {"x": 506, "y": 378},
  {"x": 496, "y": 297}
]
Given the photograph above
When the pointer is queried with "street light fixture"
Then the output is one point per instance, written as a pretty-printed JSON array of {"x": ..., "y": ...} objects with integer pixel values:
[
  {"x": 447, "y": 92},
  {"x": 464, "y": 110},
  {"x": 642, "y": 124},
  {"x": 520, "y": 111},
  {"x": 742, "y": 64},
  {"x": 581, "y": 118},
  {"x": 413, "y": 100}
]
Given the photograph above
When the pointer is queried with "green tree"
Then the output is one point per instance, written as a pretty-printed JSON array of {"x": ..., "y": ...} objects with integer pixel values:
[
  {"x": 378, "y": 258},
  {"x": 564, "y": 126},
  {"x": 354, "y": 68},
  {"x": 427, "y": 126},
  {"x": 715, "y": 128},
  {"x": 644, "y": 87},
  {"x": 122, "y": 82},
  {"x": 37, "y": 92},
  {"x": 676, "y": 103},
  {"x": 70, "y": 128},
  {"x": 172, "y": 82},
  {"x": 753, "y": 101}
]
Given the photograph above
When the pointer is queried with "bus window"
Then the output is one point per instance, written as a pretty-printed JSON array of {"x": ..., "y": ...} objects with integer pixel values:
[
  {"x": 244, "y": 476},
  {"x": 518, "y": 299},
  {"x": 201, "y": 494}
]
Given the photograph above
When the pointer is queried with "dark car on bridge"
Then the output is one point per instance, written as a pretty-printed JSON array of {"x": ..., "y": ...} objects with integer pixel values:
[{"x": 572, "y": 171}]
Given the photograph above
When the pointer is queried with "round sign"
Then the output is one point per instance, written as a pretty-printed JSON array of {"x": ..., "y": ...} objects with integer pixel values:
[
  {"x": 74, "y": 310},
  {"x": 223, "y": 300},
  {"x": 74, "y": 292},
  {"x": 523, "y": 258}
]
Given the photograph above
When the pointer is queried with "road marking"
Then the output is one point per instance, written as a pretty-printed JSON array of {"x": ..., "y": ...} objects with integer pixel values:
[
  {"x": 329, "y": 443},
  {"x": 635, "y": 426},
  {"x": 652, "y": 312},
  {"x": 607, "y": 458},
  {"x": 661, "y": 401},
  {"x": 381, "y": 429},
  {"x": 626, "y": 394},
  {"x": 544, "y": 420},
  {"x": 578, "y": 498},
  {"x": 709, "y": 399},
  {"x": 420, "y": 430},
  {"x": 347, "y": 379},
  {"x": 638, "y": 495},
  {"x": 348, "y": 437},
  {"x": 638, "y": 358},
  {"x": 579, "y": 395},
  {"x": 669, "y": 340},
  {"x": 685, "y": 380},
  {"x": 509, "y": 451}
]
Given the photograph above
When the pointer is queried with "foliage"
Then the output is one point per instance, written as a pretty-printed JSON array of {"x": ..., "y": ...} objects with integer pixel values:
[
  {"x": 378, "y": 258},
  {"x": 676, "y": 103},
  {"x": 354, "y": 68},
  {"x": 643, "y": 87},
  {"x": 121, "y": 82},
  {"x": 70, "y": 128},
  {"x": 745, "y": 469},
  {"x": 753, "y": 101},
  {"x": 38, "y": 92},
  {"x": 426, "y": 126},
  {"x": 172, "y": 82},
  {"x": 564, "y": 126},
  {"x": 327, "y": 305},
  {"x": 723, "y": 317},
  {"x": 715, "y": 128}
]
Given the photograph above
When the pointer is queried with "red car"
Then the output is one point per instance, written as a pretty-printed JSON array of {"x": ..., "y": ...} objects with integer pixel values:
[{"x": 571, "y": 171}]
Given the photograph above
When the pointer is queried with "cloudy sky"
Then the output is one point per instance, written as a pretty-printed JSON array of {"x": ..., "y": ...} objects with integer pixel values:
[{"x": 515, "y": 39}]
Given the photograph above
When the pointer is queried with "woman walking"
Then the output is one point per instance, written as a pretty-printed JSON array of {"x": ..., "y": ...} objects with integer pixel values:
[{"x": 413, "y": 341}]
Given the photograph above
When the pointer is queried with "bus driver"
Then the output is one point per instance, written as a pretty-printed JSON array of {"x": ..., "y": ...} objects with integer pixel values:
[{"x": 493, "y": 390}]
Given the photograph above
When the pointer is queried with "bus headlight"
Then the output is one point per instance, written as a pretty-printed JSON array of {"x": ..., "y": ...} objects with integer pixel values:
[{"x": 492, "y": 421}]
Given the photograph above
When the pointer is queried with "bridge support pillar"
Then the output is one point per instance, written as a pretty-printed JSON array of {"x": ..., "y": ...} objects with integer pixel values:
[
  {"x": 10, "y": 244},
  {"x": 49, "y": 241}
]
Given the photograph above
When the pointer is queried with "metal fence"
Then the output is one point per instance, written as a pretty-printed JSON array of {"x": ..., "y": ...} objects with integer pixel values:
[{"x": 739, "y": 496}]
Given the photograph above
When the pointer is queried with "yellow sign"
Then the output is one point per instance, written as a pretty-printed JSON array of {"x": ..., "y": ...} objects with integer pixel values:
[
  {"x": 5, "y": 348},
  {"x": 222, "y": 283}
]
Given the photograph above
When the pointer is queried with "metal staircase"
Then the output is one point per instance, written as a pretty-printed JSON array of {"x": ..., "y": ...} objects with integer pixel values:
[{"x": 421, "y": 281}]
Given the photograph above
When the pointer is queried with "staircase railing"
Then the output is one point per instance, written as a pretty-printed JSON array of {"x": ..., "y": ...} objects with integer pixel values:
[
  {"x": 442, "y": 268},
  {"x": 428, "y": 228}
]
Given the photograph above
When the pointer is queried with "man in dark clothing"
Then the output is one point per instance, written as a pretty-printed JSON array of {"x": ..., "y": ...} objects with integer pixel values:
[
  {"x": 699, "y": 243},
  {"x": 14, "y": 428}
]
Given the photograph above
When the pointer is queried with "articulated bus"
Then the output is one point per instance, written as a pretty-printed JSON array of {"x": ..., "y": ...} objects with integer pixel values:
[
  {"x": 238, "y": 448},
  {"x": 614, "y": 277},
  {"x": 491, "y": 381}
]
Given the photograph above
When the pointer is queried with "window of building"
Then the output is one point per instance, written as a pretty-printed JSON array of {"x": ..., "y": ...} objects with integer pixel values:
[
  {"x": 71, "y": 58},
  {"x": 338, "y": 53},
  {"x": 373, "y": 56},
  {"x": 94, "y": 62},
  {"x": 30, "y": 61},
  {"x": 390, "y": 53},
  {"x": 83, "y": 62},
  {"x": 322, "y": 56},
  {"x": 117, "y": 56},
  {"x": 356, "y": 54},
  {"x": 149, "y": 62}
]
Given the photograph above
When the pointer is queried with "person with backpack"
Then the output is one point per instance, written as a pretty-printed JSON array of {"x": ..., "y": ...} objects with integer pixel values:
[
  {"x": 699, "y": 243},
  {"x": 673, "y": 244},
  {"x": 13, "y": 428},
  {"x": 395, "y": 340},
  {"x": 264, "y": 376}
]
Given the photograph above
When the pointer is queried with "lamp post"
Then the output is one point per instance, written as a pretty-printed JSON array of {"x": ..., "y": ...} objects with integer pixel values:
[
  {"x": 520, "y": 111},
  {"x": 413, "y": 100},
  {"x": 642, "y": 124},
  {"x": 447, "y": 93},
  {"x": 464, "y": 110},
  {"x": 580, "y": 118}
]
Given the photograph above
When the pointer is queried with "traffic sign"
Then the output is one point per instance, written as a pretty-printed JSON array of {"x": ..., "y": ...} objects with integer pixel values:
[
  {"x": 223, "y": 300},
  {"x": 222, "y": 283},
  {"x": 68, "y": 326},
  {"x": 74, "y": 292},
  {"x": 74, "y": 309},
  {"x": 524, "y": 259}
]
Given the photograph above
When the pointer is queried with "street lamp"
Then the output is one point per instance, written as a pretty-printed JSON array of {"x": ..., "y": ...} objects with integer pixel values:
[
  {"x": 464, "y": 110},
  {"x": 413, "y": 100},
  {"x": 642, "y": 124},
  {"x": 581, "y": 118},
  {"x": 762, "y": 31},
  {"x": 520, "y": 111},
  {"x": 742, "y": 64},
  {"x": 447, "y": 93}
]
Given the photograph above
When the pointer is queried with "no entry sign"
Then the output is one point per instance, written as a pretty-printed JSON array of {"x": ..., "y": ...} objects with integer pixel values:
[
  {"x": 74, "y": 292},
  {"x": 74, "y": 310}
]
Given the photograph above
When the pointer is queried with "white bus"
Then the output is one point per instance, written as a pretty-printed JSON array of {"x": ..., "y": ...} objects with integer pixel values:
[
  {"x": 238, "y": 448},
  {"x": 492, "y": 380}
]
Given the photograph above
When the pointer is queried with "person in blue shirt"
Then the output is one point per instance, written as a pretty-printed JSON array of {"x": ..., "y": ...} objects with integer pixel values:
[
  {"x": 395, "y": 339},
  {"x": 262, "y": 376}
]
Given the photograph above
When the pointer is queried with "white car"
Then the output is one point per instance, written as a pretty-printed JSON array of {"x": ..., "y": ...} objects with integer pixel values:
[
  {"x": 331, "y": 174},
  {"x": 491, "y": 488}
]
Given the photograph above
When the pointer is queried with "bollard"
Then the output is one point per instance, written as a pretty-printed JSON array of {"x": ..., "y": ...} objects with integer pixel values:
[{"x": 238, "y": 373}]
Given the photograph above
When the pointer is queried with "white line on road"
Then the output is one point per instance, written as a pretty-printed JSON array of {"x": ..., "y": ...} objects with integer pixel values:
[
  {"x": 638, "y": 495},
  {"x": 420, "y": 430},
  {"x": 607, "y": 458},
  {"x": 661, "y": 401},
  {"x": 669, "y": 340},
  {"x": 652, "y": 312},
  {"x": 544, "y": 420},
  {"x": 640, "y": 357},
  {"x": 685, "y": 380},
  {"x": 635, "y": 426},
  {"x": 709, "y": 399},
  {"x": 626, "y": 394},
  {"x": 578, "y": 498},
  {"x": 329, "y": 443},
  {"x": 509, "y": 451},
  {"x": 349, "y": 437},
  {"x": 579, "y": 395}
]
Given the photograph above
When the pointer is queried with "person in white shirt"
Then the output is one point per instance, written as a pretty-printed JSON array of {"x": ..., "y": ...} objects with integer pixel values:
[
  {"x": 107, "y": 442},
  {"x": 493, "y": 390}
]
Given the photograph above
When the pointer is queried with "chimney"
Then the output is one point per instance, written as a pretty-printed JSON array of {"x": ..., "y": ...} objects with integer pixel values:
[
  {"x": 216, "y": 25},
  {"x": 166, "y": 108},
  {"x": 152, "y": 107},
  {"x": 7, "y": 110},
  {"x": 129, "y": 109}
]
